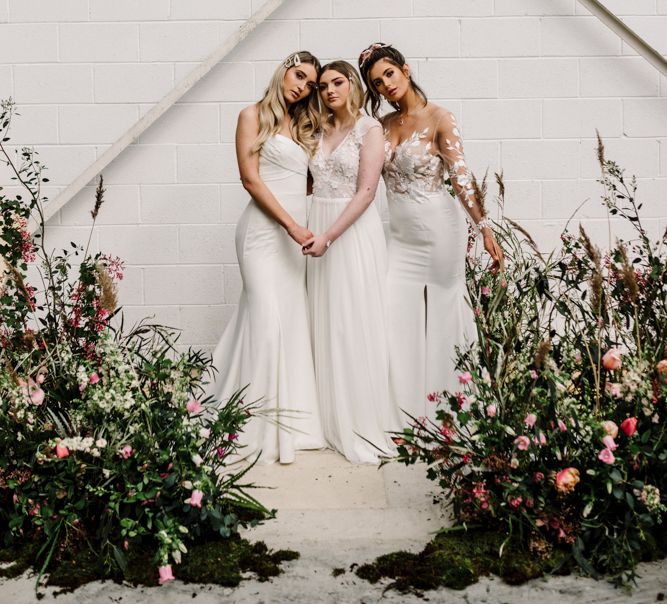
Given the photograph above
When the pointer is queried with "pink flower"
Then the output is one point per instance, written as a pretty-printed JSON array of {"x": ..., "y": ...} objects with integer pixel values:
[
  {"x": 629, "y": 425},
  {"x": 93, "y": 378},
  {"x": 567, "y": 480},
  {"x": 515, "y": 502},
  {"x": 166, "y": 574},
  {"x": 561, "y": 426},
  {"x": 539, "y": 477},
  {"x": 522, "y": 443},
  {"x": 486, "y": 291},
  {"x": 478, "y": 311},
  {"x": 234, "y": 436},
  {"x": 37, "y": 396},
  {"x": 612, "y": 359},
  {"x": 610, "y": 428},
  {"x": 193, "y": 406},
  {"x": 432, "y": 397},
  {"x": 613, "y": 389},
  {"x": 461, "y": 401},
  {"x": 491, "y": 410},
  {"x": 609, "y": 443},
  {"x": 195, "y": 498},
  {"x": 126, "y": 452},
  {"x": 465, "y": 377},
  {"x": 15, "y": 498},
  {"x": 606, "y": 456},
  {"x": 540, "y": 439},
  {"x": 220, "y": 452},
  {"x": 530, "y": 420},
  {"x": 533, "y": 374},
  {"x": 61, "y": 451}
]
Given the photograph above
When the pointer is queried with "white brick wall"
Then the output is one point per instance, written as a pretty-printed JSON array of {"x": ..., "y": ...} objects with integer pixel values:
[{"x": 529, "y": 80}]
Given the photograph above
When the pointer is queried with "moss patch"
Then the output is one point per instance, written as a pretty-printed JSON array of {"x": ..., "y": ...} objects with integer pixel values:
[
  {"x": 217, "y": 561},
  {"x": 456, "y": 559}
]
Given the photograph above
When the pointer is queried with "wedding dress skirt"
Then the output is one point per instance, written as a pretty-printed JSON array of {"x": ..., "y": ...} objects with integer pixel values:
[
  {"x": 267, "y": 342},
  {"x": 347, "y": 293}
]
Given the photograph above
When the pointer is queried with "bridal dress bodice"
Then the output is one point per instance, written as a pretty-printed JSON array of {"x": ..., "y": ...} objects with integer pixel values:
[{"x": 335, "y": 172}]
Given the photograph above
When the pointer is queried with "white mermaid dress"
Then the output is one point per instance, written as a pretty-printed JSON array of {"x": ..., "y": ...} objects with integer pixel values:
[
  {"x": 428, "y": 312},
  {"x": 347, "y": 293},
  {"x": 266, "y": 344}
]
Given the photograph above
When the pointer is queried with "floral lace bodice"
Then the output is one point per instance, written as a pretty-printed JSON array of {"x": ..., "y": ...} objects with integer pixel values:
[
  {"x": 412, "y": 168},
  {"x": 335, "y": 173}
]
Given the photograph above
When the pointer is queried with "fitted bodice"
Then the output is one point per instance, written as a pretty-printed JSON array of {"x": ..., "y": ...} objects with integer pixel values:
[
  {"x": 335, "y": 173},
  {"x": 412, "y": 168},
  {"x": 284, "y": 163}
]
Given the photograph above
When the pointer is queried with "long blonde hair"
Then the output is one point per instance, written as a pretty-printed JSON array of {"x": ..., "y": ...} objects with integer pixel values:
[
  {"x": 355, "y": 99},
  {"x": 272, "y": 108}
]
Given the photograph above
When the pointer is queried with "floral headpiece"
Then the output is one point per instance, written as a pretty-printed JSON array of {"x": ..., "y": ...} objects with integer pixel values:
[
  {"x": 363, "y": 57},
  {"x": 294, "y": 60}
]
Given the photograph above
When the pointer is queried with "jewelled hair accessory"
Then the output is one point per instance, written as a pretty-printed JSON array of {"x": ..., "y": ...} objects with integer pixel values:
[
  {"x": 363, "y": 57},
  {"x": 294, "y": 60}
]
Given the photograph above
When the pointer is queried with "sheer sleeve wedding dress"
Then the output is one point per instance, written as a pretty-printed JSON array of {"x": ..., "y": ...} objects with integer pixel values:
[
  {"x": 346, "y": 289},
  {"x": 428, "y": 313},
  {"x": 267, "y": 342}
]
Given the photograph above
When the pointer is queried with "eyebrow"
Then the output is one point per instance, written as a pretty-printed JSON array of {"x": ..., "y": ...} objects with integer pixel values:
[{"x": 383, "y": 73}]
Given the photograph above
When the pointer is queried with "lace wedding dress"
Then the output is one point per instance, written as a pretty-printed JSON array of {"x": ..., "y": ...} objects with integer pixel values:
[
  {"x": 428, "y": 313},
  {"x": 267, "y": 341},
  {"x": 346, "y": 289}
]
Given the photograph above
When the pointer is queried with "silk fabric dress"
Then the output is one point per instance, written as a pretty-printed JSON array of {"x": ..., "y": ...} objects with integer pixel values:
[{"x": 266, "y": 344}]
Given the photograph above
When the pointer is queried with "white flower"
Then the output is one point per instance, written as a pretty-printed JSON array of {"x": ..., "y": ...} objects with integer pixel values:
[
  {"x": 101, "y": 443},
  {"x": 197, "y": 459},
  {"x": 204, "y": 433}
]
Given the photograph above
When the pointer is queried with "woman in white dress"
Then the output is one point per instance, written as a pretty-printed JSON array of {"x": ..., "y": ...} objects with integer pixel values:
[
  {"x": 347, "y": 274},
  {"x": 428, "y": 313},
  {"x": 267, "y": 341}
]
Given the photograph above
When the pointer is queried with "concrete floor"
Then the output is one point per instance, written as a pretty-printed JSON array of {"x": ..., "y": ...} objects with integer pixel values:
[{"x": 337, "y": 514}]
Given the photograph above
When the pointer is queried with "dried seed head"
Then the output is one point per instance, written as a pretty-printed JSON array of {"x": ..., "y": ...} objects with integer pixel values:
[
  {"x": 600, "y": 149},
  {"x": 501, "y": 188},
  {"x": 480, "y": 191},
  {"x": 108, "y": 298},
  {"x": 542, "y": 353},
  {"x": 629, "y": 276},
  {"x": 99, "y": 198}
]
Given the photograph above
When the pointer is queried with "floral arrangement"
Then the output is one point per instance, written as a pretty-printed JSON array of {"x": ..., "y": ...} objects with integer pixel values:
[
  {"x": 105, "y": 438},
  {"x": 557, "y": 432}
]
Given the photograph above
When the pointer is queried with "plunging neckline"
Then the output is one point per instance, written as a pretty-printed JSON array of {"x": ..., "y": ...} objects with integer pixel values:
[
  {"x": 327, "y": 156},
  {"x": 393, "y": 150}
]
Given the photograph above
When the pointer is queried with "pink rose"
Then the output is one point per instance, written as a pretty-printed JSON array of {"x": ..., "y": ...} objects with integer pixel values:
[
  {"x": 515, "y": 502},
  {"x": 522, "y": 443},
  {"x": 37, "y": 396},
  {"x": 561, "y": 426},
  {"x": 93, "y": 378},
  {"x": 629, "y": 425},
  {"x": 609, "y": 443},
  {"x": 530, "y": 420},
  {"x": 610, "y": 428},
  {"x": 567, "y": 480},
  {"x": 465, "y": 377},
  {"x": 61, "y": 451},
  {"x": 612, "y": 359},
  {"x": 539, "y": 476},
  {"x": 613, "y": 389},
  {"x": 195, "y": 498},
  {"x": 486, "y": 291},
  {"x": 491, "y": 410},
  {"x": 606, "y": 456},
  {"x": 166, "y": 574},
  {"x": 126, "y": 452},
  {"x": 193, "y": 406}
]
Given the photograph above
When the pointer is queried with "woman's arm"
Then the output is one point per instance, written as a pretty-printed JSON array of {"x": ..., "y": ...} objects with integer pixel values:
[
  {"x": 449, "y": 145},
  {"x": 247, "y": 129},
  {"x": 371, "y": 158}
]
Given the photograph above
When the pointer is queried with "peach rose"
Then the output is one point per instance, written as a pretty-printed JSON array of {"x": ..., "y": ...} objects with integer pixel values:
[
  {"x": 567, "y": 480},
  {"x": 612, "y": 359},
  {"x": 610, "y": 428}
]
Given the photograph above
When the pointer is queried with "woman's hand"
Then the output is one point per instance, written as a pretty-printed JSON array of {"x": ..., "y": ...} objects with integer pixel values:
[
  {"x": 316, "y": 246},
  {"x": 299, "y": 233},
  {"x": 494, "y": 250}
]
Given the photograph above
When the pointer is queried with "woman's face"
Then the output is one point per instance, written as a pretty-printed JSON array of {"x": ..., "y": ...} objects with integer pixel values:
[
  {"x": 298, "y": 82},
  {"x": 334, "y": 89},
  {"x": 390, "y": 81}
]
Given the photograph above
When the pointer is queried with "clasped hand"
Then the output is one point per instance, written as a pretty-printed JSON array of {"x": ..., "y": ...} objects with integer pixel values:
[{"x": 316, "y": 246}]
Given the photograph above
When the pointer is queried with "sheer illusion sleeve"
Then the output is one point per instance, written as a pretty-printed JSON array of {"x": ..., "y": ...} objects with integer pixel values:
[{"x": 450, "y": 146}]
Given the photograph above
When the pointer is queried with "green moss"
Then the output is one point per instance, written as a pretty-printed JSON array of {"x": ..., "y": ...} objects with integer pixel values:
[
  {"x": 458, "y": 558},
  {"x": 217, "y": 561}
]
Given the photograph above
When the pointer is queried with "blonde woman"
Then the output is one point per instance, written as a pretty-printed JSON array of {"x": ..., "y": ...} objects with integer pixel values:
[
  {"x": 347, "y": 273},
  {"x": 267, "y": 342}
]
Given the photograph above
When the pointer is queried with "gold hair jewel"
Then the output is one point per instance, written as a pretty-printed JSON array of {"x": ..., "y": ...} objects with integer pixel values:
[{"x": 294, "y": 60}]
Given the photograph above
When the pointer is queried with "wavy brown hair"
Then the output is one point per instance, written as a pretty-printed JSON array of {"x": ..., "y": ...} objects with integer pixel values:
[
  {"x": 355, "y": 99},
  {"x": 272, "y": 107},
  {"x": 369, "y": 57}
]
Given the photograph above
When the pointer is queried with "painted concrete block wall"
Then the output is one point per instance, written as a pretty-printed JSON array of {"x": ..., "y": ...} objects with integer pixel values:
[{"x": 529, "y": 80}]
